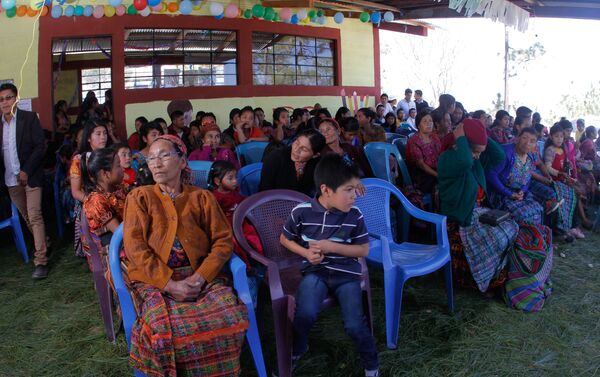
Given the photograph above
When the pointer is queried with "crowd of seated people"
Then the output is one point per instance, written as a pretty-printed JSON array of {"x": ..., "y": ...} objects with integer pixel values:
[{"x": 545, "y": 180}]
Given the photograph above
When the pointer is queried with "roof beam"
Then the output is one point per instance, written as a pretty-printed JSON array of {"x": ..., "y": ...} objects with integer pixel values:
[{"x": 404, "y": 28}]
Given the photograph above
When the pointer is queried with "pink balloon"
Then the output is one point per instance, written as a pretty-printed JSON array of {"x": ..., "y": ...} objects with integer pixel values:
[
  {"x": 120, "y": 10},
  {"x": 98, "y": 11},
  {"x": 285, "y": 14},
  {"x": 158, "y": 7},
  {"x": 231, "y": 11}
]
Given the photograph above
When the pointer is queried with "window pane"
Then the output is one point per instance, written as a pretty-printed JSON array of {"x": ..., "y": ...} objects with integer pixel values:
[
  {"x": 294, "y": 60},
  {"x": 180, "y": 57}
]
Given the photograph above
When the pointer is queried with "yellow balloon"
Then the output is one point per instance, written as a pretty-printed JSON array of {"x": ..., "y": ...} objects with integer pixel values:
[
  {"x": 109, "y": 11},
  {"x": 164, "y": 7},
  {"x": 36, "y": 4}
]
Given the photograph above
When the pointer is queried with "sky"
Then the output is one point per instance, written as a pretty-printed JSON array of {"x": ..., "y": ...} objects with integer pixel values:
[{"x": 468, "y": 54}]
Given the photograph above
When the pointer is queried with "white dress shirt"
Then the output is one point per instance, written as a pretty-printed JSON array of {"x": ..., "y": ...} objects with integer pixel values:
[
  {"x": 12, "y": 167},
  {"x": 406, "y": 106}
]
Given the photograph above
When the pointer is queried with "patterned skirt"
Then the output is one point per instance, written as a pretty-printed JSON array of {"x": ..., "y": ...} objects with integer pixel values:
[
  {"x": 478, "y": 252},
  {"x": 200, "y": 338},
  {"x": 526, "y": 211},
  {"x": 77, "y": 245},
  {"x": 567, "y": 209}
]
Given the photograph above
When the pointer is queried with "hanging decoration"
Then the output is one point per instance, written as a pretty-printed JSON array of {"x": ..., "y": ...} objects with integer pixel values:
[{"x": 496, "y": 10}]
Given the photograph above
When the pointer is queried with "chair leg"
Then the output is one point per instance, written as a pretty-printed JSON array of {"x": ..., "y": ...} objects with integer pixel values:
[
  {"x": 282, "y": 337},
  {"x": 18, "y": 237},
  {"x": 393, "y": 286},
  {"x": 253, "y": 338},
  {"x": 449, "y": 286},
  {"x": 137, "y": 373},
  {"x": 103, "y": 293}
]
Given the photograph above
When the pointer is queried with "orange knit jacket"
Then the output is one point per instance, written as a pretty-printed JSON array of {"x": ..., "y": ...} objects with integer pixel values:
[{"x": 151, "y": 222}]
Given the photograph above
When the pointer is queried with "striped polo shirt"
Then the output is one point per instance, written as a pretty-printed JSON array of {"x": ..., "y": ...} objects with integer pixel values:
[{"x": 311, "y": 221}]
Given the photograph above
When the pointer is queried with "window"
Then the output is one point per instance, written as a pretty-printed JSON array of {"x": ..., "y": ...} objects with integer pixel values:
[
  {"x": 169, "y": 58},
  {"x": 97, "y": 80},
  {"x": 291, "y": 60}
]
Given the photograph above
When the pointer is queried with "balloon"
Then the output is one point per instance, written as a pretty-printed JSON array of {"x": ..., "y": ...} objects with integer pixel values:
[
  {"x": 388, "y": 16},
  {"x": 321, "y": 20},
  {"x": 31, "y": 12},
  {"x": 140, "y": 4},
  {"x": 8, "y": 4},
  {"x": 36, "y": 4},
  {"x": 78, "y": 11},
  {"x": 269, "y": 14},
  {"x": 276, "y": 17},
  {"x": 158, "y": 7},
  {"x": 216, "y": 9},
  {"x": 285, "y": 14},
  {"x": 338, "y": 17},
  {"x": 98, "y": 11},
  {"x": 312, "y": 13},
  {"x": 69, "y": 11},
  {"x": 294, "y": 19},
  {"x": 44, "y": 10},
  {"x": 131, "y": 10},
  {"x": 258, "y": 11},
  {"x": 88, "y": 10},
  {"x": 172, "y": 7},
  {"x": 145, "y": 12},
  {"x": 220, "y": 16},
  {"x": 109, "y": 11},
  {"x": 248, "y": 13},
  {"x": 21, "y": 10},
  {"x": 197, "y": 4},
  {"x": 364, "y": 17},
  {"x": 376, "y": 17},
  {"x": 320, "y": 13},
  {"x": 186, "y": 7},
  {"x": 231, "y": 11},
  {"x": 120, "y": 10},
  {"x": 153, "y": 3},
  {"x": 115, "y": 3},
  {"x": 302, "y": 14},
  {"x": 11, "y": 12}
]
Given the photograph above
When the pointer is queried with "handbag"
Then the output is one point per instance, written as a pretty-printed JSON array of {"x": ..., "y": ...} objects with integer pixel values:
[{"x": 494, "y": 217}]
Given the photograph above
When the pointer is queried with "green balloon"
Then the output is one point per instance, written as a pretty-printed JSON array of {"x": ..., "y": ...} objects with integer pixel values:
[
  {"x": 364, "y": 17},
  {"x": 131, "y": 10},
  {"x": 276, "y": 17},
  {"x": 320, "y": 13},
  {"x": 248, "y": 13},
  {"x": 10, "y": 13},
  {"x": 269, "y": 14},
  {"x": 312, "y": 13},
  {"x": 258, "y": 11}
]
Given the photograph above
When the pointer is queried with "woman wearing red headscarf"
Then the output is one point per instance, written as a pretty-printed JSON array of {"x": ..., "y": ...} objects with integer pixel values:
[{"x": 478, "y": 250}]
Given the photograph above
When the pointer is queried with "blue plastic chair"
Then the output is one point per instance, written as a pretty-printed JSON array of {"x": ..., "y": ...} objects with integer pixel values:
[
  {"x": 251, "y": 152},
  {"x": 400, "y": 143},
  {"x": 249, "y": 178},
  {"x": 401, "y": 261},
  {"x": 240, "y": 284},
  {"x": 59, "y": 176},
  {"x": 200, "y": 170},
  {"x": 540, "y": 145},
  {"x": 14, "y": 223},
  {"x": 391, "y": 136}
]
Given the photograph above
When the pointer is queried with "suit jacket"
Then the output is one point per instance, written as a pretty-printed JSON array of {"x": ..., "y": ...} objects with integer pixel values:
[{"x": 31, "y": 147}]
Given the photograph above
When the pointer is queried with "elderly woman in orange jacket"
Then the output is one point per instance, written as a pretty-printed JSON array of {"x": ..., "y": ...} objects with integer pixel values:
[{"x": 177, "y": 240}]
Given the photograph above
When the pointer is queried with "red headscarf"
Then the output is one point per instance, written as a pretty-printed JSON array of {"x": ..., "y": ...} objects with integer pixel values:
[{"x": 186, "y": 173}]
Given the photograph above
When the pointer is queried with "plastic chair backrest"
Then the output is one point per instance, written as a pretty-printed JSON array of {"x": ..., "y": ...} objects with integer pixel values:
[
  {"x": 252, "y": 152},
  {"x": 268, "y": 212},
  {"x": 391, "y": 136},
  {"x": 200, "y": 170},
  {"x": 540, "y": 145},
  {"x": 373, "y": 202},
  {"x": 249, "y": 178},
  {"x": 378, "y": 153}
]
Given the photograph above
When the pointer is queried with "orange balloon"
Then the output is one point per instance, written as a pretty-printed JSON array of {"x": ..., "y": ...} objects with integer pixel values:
[
  {"x": 173, "y": 7},
  {"x": 44, "y": 10},
  {"x": 31, "y": 12},
  {"x": 21, "y": 10}
]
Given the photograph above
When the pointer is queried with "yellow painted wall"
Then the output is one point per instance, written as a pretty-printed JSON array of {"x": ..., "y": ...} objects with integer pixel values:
[
  {"x": 358, "y": 60},
  {"x": 221, "y": 107},
  {"x": 14, "y": 40},
  {"x": 66, "y": 84}
]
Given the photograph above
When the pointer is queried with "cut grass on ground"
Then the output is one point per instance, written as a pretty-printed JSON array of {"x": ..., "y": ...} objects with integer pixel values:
[{"x": 53, "y": 327}]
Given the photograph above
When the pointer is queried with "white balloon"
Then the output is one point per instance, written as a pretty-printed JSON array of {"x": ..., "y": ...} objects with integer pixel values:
[
  {"x": 145, "y": 12},
  {"x": 302, "y": 14},
  {"x": 388, "y": 16},
  {"x": 216, "y": 9}
]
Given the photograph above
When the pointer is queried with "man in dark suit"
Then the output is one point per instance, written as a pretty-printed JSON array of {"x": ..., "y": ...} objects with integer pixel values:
[{"x": 21, "y": 169}]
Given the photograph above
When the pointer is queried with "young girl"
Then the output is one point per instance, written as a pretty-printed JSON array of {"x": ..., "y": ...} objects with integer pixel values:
[
  {"x": 212, "y": 150},
  {"x": 124, "y": 153},
  {"x": 94, "y": 137},
  {"x": 222, "y": 181},
  {"x": 105, "y": 197},
  {"x": 560, "y": 169}
]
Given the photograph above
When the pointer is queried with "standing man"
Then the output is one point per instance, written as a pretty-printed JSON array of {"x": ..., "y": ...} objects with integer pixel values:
[
  {"x": 23, "y": 149},
  {"x": 407, "y": 103},
  {"x": 420, "y": 103}
]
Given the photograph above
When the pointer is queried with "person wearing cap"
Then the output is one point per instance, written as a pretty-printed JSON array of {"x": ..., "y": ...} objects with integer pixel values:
[{"x": 477, "y": 250}]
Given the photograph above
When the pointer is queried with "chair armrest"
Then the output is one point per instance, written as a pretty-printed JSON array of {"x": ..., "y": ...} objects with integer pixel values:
[
  {"x": 273, "y": 275},
  {"x": 386, "y": 256},
  {"x": 240, "y": 280}
]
